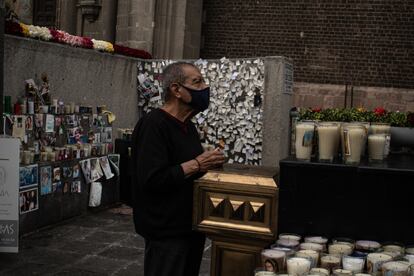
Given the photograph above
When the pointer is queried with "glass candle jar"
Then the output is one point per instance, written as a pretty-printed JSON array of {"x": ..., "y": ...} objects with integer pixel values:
[
  {"x": 409, "y": 258},
  {"x": 310, "y": 254},
  {"x": 395, "y": 268},
  {"x": 311, "y": 246},
  {"x": 320, "y": 271},
  {"x": 353, "y": 139},
  {"x": 367, "y": 245},
  {"x": 343, "y": 240},
  {"x": 330, "y": 262},
  {"x": 375, "y": 261},
  {"x": 409, "y": 249},
  {"x": 411, "y": 270},
  {"x": 380, "y": 128},
  {"x": 341, "y": 272},
  {"x": 354, "y": 264},
  {"x": 319, "y": 240},
  {"x": 290, "y": 236},
  {"x": 394, "y": 247},
  {"x": 292, "y": 244},
  {"x": 305, "y": 132},
  {"x": 263, "y": 272},
  {"x": 328, "y": 140},
  {"x": 340, "y": 249},
  {"x": 377, "y": 144},
  {"x": 298, "y": 266},
  {"x": 273, "y": 260}
]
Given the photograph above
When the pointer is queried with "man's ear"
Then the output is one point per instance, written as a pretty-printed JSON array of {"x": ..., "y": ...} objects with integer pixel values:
[{"x": 174, "y": 88}]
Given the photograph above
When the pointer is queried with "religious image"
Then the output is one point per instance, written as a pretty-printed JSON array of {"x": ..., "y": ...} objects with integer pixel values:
[{"x": 28, "y": 176}]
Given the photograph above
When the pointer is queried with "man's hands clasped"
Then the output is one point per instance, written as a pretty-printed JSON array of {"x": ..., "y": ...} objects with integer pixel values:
[{"x": 210, "y": 159}]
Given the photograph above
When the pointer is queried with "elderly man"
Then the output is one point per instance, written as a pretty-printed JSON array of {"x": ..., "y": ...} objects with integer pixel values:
[{"x": 168, "y": 157}]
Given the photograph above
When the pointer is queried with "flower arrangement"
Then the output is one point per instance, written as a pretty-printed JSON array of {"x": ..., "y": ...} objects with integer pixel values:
[
  {"x": 379, "y": 114},
  {"x": 47, "y": 34}
]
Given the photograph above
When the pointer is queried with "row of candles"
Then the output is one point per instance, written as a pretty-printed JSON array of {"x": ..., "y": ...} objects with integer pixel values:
[
  {"x": 352, "y": 136},
  {"x": 56, "y": 107},
  {"x": 343, "y": 257},
  {"x": 68, "y": 152}
]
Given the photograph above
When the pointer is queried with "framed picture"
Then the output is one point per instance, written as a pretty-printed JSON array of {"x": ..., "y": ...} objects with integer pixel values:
[
  {"x": 28, "y": 200},
  {"x": 28, "y": 176},
  {"x": 45, "y": 180}
]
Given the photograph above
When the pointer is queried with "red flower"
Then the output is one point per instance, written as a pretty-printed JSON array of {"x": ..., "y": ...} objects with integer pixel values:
[
  {"x": 126, "y": 51},
  {"x": 379, "y": 111},
  {"x": 13, "y": 28},
  {"x": 317, "y": 109}
]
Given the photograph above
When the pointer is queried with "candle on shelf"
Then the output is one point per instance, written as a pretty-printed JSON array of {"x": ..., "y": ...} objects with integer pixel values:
[
  {"x": 330, "y": 262},
  {"x": 67, "y": 109},
  {"x": 409, "y": 258},
  {"x": 72, "y": 107},
  {"x": 304, "y": 140},
  {"x": 312, "y": 254},
  {"x": 311, "y": 246},
  {"x": 366, "y": 126},
  {"x": 394, "y": 247},
  {"x": 340, "y": 249},
  {"x": 395, "y": 268},
  {"x": 347, "y": 241},
  {"x": 376, "y": 147},
  {"x": 367, "y": 245},
  {"x": 362, "y": 274},
  {"x": 374, "y": 262},
  {"x": 411, "y": 270},
  {"x": 319, "y": 240},
  {"x": 342, "y": 272},
  {"x": 327, "y": 141},
  {"x": 320, "y": 271},
  {"x": 380, "y": 128},
  {"x": 298, "y": 266},
  {"x": 289, "y": 236},
  {"x": 26, "y": 157},
  {"x": 287, "y": 243},
  {"x": 354, "y": 264},
  {"x": 273, "y": 260},
  {"x": 353, "y": 139},
  {"x": 263, "y": 272},
  {"x": 409, "y": 249}
]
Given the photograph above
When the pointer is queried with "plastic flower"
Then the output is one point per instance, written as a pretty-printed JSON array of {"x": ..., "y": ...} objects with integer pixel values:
[
  {"x": 25, "y": 29},
  {"x": 379, "y": 111}
]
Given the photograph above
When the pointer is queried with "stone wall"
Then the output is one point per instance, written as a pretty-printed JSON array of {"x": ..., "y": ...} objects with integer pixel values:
[
  {"x": 361, "y": 43},
  {"x": 79, "y": 75}
]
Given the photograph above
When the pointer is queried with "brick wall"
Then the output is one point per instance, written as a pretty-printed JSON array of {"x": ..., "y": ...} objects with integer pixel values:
[{"x": 364, "y": 43}]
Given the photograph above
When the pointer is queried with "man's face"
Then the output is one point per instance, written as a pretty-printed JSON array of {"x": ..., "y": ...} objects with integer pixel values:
[{"x": 193, "y": 80}]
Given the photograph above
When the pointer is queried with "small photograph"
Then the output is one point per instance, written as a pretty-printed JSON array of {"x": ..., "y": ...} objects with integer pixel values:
[
  {"x": 58, "y": 187},
  {"x": 58, "y": 121},
  {"x": 28, "y": 200},
  {"x": 74, "y": 135},
  {"x": 28, "y": 176},
  {"x": 50, "y": 123},
  {"x": 29, "y": 123},
  {"x": 66, "y": 186},
  {"x": 67, "y": 172},
  {"x": 71, "y": 120},
  {"x": 45, "y": 180},
  {"x": 19, "y": 130},
  {"x": 56, "y": 174},
  {"x": 76, "y": 170},
  {"x": 108, "y": 135},
  {"x": 96, "y": 171},
  {"x": 103, "y": 161},
  {"x": 76, "y": 186},
  {"x": 86, "y": 169},
  {"x": 85, "y": 122},
  {"x": 39, "y": 120}
]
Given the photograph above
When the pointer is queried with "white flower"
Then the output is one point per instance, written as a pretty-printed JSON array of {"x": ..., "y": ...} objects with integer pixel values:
[{"x": 39, "y": 32}]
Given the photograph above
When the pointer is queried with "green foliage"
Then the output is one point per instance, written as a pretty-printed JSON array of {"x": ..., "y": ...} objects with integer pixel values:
[{"x": 399, "y": 119}]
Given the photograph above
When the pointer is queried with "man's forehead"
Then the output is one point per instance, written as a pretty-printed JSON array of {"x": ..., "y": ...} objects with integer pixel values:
[{"x": 191, "y": 71}]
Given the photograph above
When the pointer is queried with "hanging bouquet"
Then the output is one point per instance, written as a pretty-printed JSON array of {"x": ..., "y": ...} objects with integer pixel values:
[
  {"x": 47, "y": 34},
  {"x": 379, "y": 114}
]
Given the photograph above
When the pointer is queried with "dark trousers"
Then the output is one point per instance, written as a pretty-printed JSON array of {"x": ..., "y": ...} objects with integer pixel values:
[{"x": 179, "y": 256}]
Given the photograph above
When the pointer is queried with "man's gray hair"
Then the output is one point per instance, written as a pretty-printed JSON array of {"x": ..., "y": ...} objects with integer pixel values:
[{"x": 171, "y": 74}]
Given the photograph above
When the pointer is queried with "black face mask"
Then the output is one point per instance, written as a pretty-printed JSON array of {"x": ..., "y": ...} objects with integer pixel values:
[{"x": 200, "y": 99}]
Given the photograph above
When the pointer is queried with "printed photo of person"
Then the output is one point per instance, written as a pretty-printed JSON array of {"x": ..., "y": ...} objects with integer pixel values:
[
  {"x": 28, "y": 201},
  {"x": 86, "y": 169},
  {"x": 29, "y": 123},
  {"x": 45, "y": 180},
  {"x": 76, "y": 170},
  {"x": 56, "y": 174},
  {"x": 28, "y": 176}
]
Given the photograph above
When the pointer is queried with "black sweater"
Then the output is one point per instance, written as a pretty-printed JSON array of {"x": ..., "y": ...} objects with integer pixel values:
[{"x": 162, "y": 195}]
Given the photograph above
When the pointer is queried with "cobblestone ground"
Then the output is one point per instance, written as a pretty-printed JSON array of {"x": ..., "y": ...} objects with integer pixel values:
[{"x": 101, "y": 243}]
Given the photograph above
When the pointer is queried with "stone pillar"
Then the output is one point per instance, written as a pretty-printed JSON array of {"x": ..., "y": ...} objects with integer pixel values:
[
  {"x": 135, "y": 23},
  {"x": 177, "y": 32},
  {"x": 109, "y": 14},
  {"x": 67, "y": 15}
]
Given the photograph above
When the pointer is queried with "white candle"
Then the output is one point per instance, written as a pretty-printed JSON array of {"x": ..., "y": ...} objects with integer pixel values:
[
  {"x": 409, "y": 250},
  {"x": 367, "y": 245},
  {"x": 320, "y": 271},
  {"x": 362, "y": 274},
  {"x": 410, "y": 258},
  {"x": 273, "y": 260},
  {"x": 330, "y": 262},
  {"x": 316, "y": 239},
  {"x": 340, "y": 249},
  {"x": 395, "y": 268},
  {"x": 393, "y": 248},
  {"x": 286, "y": 236},
  {"x": 287, "y": 243},
  {"x": 264, "y": 273},
  {"x": 311, "y": 246},
  {"x": 328, "y": 141},
  {"x": 380, "y": 128},
  {"x": 312, "y": 254},
  {"x": 353, "y": 139},
  {"x": 298, "y": 266},
  {"x": 342, "y": 272},
  {"x": 376, "y": 146},
  {"x": 304, "y": 140},
  {"x": 375, "y": 260},
  {"x": 353, "y": 264}
]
